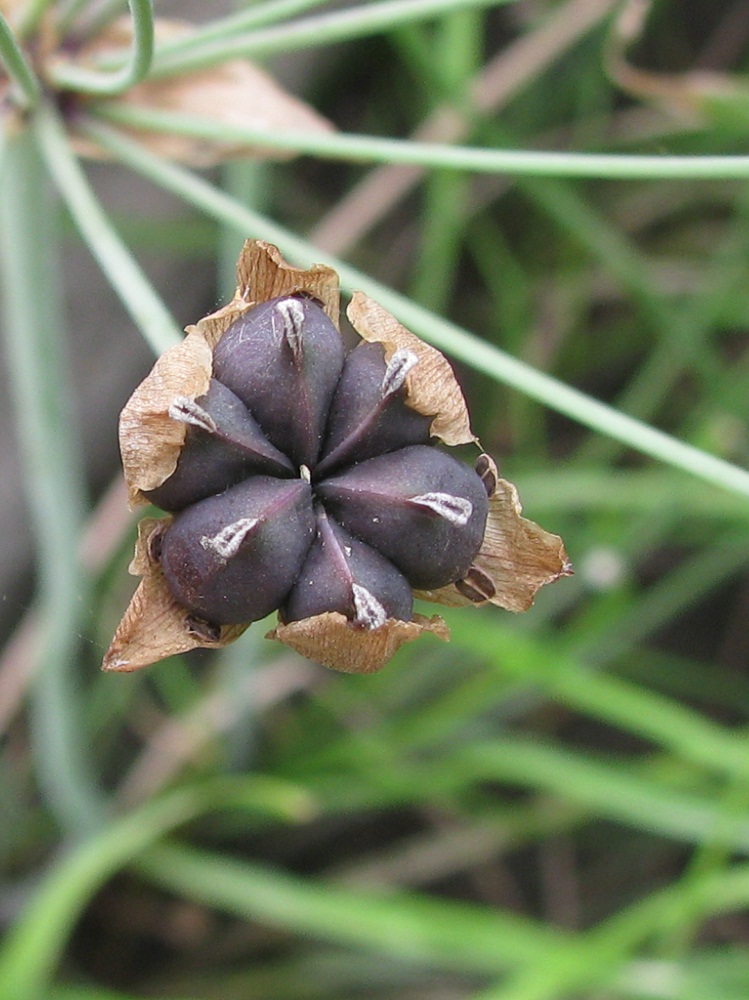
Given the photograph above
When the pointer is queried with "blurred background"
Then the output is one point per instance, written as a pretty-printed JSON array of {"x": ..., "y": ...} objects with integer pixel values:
[{"x": 555, "y": 805}]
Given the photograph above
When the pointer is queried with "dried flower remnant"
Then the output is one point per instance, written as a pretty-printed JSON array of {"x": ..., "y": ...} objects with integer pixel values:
[{"x": 302, "y": 479}]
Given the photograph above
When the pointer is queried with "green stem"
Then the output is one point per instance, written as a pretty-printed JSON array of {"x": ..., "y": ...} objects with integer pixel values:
[
  {"x": 78, "y": 78},
  {"x": 440, "y": 332},
  {"x": 43, "y": 398},
  {"x": 26, "y": 84},
  {"x": 370, "y": 149},
  {"x": 324, "y": 29},
  {"x": 147, "y": 310}
]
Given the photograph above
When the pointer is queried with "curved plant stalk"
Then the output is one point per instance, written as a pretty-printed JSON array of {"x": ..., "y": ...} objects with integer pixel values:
[
  {"x": 78, "y": 78},
  {"x": 443, "y": 334},
  {"x": 52, "y": 464},
  {"x": 371, "y": 149},
  {"x": 148, "y": 311},
  {"x": 26, "y": 84}
]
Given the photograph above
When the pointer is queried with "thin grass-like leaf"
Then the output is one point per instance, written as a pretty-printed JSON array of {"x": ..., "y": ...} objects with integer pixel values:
[
  {"x": 25, "y": 82},
  {"x": 322, "y": 29},
  {"x": 51, "y": 460},
  {"x": 442, "y": 934},
  {"x": 149, "y": 313},
  {"x": 371, "y": 149}
]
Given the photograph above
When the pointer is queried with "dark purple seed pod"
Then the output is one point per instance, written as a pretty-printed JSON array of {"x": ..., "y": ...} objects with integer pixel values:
[
  {"x": 224, "y": 445},
  {"x": 343, "y": 574},
  {"x": 234, "y": 557},
  {"x": 283, "y": 359},
  {"x": 420, "y": 508},
  {"x": 369, "y": 414}
]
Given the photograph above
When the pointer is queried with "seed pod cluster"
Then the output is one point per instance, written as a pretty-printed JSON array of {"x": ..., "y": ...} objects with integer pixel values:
[{"x": 308, "y": 484}]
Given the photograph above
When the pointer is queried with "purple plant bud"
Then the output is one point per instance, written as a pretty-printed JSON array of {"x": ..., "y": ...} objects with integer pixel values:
[
  {"x": 343, "y": 574},
  {"x": 420, "y": 508},
  {"x": 234, "y": 557},
  {"x": 369, "y": 414},
  {"x": 283, "y": 359},
  {"x": 224, "y": 445}
]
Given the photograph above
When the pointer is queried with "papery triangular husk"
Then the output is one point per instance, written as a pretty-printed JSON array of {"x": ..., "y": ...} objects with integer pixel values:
[
  {"x": 155, "y": 625},
  {"x": 150, "y": 440},
  {"x": 235, "y": 92},
  {"x": 431, "y": 386},
  {"x": 262, "y": 274},
  {"x": 516, "y": 554},
  {"x": 331, "y": 640}
]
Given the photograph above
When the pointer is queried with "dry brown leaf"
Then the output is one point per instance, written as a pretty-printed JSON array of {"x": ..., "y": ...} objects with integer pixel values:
[
  {"x": 150, "y": 440},
  {"x": 233, "y": 93},
  {"x": 154, "y": 625},
  {"x": 431, "y": 385},
  {"x": 263, "y": 274},
  {"x": 331, "y": 640},
  {"x": 517, "y": 556}
]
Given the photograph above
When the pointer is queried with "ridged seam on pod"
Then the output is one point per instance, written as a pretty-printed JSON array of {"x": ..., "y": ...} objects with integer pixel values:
[
  {"x": 188, "y": 411},
  {"x": 226, "y": 543},
  {"x": 369, "y": 612},
  {"x": 291, "y": 312},
  {"x": 397, "y": 369},
  {"x": 452, "y": 508}
]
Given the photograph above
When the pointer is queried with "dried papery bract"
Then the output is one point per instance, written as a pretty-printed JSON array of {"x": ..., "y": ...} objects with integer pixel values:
[
  {"x": 233, "y": 93},
  {"x": 516, "y": 558},
  {"x": 155, "y": 625},
  {"x": 431, "y": 385},
  {"x": 331, "y": 640},
  {"x": 347, "y": 567}
]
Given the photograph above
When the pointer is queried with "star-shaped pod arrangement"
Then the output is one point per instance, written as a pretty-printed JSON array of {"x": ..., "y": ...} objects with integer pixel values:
[{"x": 315, "y": 482}]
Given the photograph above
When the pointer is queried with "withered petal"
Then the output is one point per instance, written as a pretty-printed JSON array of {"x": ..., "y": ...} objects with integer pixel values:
[
  {"x": 331, "y": 640},
  {"x": 235, "y": 92},
  {"x": 431, "y": 386},
  {"x": 263, "y": 274},
  {"x": 150, "y": 440},
  {"x": 154, "y": 625},
  {"x": 517, "y": 555}
]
